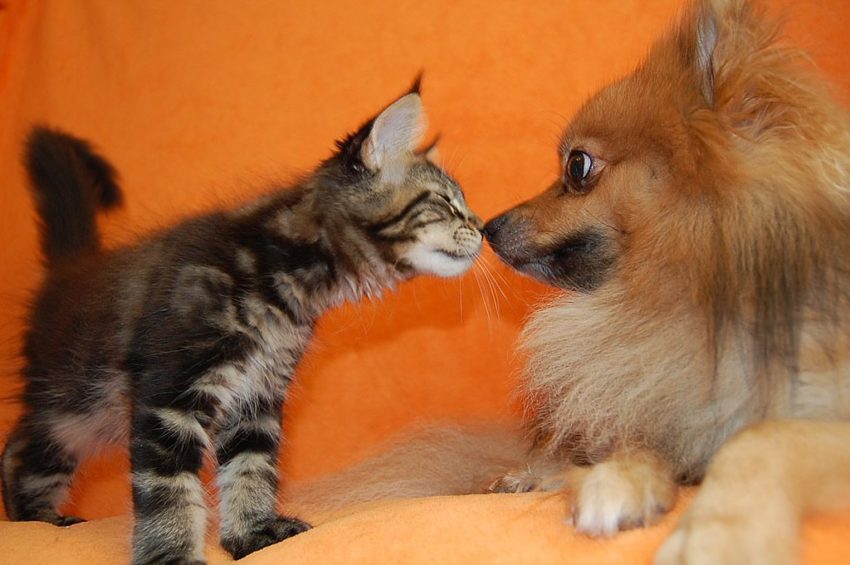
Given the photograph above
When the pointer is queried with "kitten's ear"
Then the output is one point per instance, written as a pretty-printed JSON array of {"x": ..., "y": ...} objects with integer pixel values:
[{"x": 395, "y": 133}]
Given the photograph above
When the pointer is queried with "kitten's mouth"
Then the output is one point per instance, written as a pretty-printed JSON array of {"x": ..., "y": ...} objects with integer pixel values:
[{"x": 458, "y": 255}]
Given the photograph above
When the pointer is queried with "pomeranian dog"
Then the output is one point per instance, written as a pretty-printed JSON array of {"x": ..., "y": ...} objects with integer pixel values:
[
  {"x": 701, "y": 229},
  {"x": 701, "y": 225}
]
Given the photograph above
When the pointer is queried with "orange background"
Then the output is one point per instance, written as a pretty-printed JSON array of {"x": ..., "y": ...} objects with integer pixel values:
[{"x": 203, "y": 103}]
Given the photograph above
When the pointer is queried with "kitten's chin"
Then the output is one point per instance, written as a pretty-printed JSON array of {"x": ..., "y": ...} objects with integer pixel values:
[{"x": 440, "y": 262}]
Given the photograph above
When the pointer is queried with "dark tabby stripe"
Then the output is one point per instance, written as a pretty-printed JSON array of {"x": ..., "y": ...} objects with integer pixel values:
[{"x": 398, "y": 217}]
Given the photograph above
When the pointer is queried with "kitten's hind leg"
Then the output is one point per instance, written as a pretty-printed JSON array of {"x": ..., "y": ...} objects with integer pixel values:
[
  {"x": 37, "y": 474},
  {"x": 247, "y": 448}
]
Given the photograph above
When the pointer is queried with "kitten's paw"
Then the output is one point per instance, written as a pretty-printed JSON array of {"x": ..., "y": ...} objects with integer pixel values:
[
  {"x": 263, "y": 535},
  {"x": 64, "y": 521},
  {"x": 622, "y": 493},
  {"x": 166, "y": 559}
]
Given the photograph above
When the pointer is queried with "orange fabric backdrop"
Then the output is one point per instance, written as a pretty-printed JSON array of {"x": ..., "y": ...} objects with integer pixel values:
[{"x": 204, "y": 103}]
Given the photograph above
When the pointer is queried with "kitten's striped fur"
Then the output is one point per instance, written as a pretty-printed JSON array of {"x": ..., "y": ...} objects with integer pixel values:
[{"x": 186, "y": 342}]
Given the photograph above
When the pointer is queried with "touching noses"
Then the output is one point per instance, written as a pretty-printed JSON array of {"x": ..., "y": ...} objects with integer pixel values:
[{"x": 494, "y": 225}]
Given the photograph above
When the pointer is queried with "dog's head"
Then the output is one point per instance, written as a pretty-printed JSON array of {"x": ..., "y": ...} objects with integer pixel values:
[
  {"x": 700, "y": 140},
  {"x": 628, "y": 154}
]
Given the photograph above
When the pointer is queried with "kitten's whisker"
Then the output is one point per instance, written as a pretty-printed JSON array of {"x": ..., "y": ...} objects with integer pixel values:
[
  {"x": 483, "y": 298},
  {"x": 492, "y": 285},
  {"x": 460, "y": 293},
  {"x": 499, "y": 282},
  {"x": 495, "y": 271},
  {"x": 459, "y": 164},
  {"x": 478, "y": 267}
]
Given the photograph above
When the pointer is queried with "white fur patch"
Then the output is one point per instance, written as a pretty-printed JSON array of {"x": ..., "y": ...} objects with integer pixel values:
[
  {"x": 438, "y": 252},
  {"x": 430, "y": 261},
  {"x": 604, "y": 499},
  {"x": 612, "y": 496},
  {"x": 105, "y": 423}
]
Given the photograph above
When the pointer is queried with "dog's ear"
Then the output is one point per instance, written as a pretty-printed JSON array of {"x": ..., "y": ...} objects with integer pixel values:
[
  {"x": 705, "y": 44},
  {"x": 715, "y": 36},
  {"x": 697, "y": 39}
]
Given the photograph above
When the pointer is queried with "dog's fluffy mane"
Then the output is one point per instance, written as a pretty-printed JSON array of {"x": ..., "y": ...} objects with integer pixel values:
[{"x": 744, "y": 265}]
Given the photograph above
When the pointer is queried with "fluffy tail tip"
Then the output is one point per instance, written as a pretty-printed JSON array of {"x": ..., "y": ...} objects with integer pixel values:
[{"x": 50, "y": 149}]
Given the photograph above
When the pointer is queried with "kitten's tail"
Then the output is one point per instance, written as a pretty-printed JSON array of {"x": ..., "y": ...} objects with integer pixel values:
[
  {"x": 70, "y": 182},
  {"x": 433, "y": 460}
]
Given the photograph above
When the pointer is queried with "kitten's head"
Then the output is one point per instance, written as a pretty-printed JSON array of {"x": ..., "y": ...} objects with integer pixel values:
[{"x": 384, "y": 194}]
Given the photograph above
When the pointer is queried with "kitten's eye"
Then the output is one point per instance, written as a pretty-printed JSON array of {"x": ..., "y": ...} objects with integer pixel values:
[
  {"x": 578, "y": 169},
  {"x": 448, "y": 200}
]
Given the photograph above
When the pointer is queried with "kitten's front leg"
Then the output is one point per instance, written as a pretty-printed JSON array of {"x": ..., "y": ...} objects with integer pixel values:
[
  {"x": 170, "y": 511},
  {"x": 247, "y": 448}
]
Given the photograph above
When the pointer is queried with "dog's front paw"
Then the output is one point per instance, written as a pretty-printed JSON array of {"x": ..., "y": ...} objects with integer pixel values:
[
  {"x": 263, "y": 535},
  {"x": 723, "y": 529},
  {"x": 728, "y": 539},
  {"x": 528, "y": 480},
  {"x": 622, "y": 493},
  {"x": 515, "y": 481}
]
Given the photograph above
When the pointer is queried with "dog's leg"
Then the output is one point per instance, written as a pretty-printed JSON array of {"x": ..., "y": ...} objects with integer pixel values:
[
  {"x": 756, "y": 489},
  {"x": 632, "y": 488}
]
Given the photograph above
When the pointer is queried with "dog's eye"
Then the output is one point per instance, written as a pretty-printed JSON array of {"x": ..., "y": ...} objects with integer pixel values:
[{"x": 578, "y": 169}]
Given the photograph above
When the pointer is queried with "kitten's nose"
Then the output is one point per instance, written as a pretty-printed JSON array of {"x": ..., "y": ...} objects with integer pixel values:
[{"x": 476, "y": 222}]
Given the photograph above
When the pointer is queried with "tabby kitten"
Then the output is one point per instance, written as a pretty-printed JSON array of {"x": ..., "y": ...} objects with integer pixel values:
[{"x": 187, "y": 341}]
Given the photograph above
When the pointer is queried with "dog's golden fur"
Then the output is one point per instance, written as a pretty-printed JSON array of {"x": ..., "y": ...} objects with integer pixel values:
[
  {"x": 721, "y": 197},
  {"x": 725, "y": 196},
  {"x": 707, "y": 335}
]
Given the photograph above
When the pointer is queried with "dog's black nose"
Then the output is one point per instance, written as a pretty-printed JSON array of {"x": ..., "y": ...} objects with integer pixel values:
[{"x": 494, "y": 225}]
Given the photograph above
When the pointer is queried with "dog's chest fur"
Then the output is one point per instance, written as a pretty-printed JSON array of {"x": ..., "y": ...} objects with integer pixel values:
[{"x": 602, "y": 372}]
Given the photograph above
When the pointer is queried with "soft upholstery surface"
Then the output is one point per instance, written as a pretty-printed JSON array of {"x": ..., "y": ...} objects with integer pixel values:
[{"x": 202, "y": 104}]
